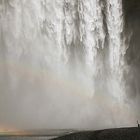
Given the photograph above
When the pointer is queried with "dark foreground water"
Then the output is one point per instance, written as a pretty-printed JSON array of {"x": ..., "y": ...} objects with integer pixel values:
[
  {"x": 27, "y": 137},
  {"x": 36, "y": 134}
]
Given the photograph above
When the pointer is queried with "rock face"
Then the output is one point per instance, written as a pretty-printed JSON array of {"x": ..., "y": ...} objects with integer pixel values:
[
  {"x": 112, "y": 134},
  {"x": 132, "y": 18},
  {"x": 132, "y": 7}
]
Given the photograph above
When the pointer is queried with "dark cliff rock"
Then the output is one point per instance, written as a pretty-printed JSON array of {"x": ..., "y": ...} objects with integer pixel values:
[
  {"x": 132, "y": 28},
  {"x": 110, "y": 134}
]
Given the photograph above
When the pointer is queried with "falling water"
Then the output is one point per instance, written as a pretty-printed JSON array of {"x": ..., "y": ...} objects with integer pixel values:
[
  {"x": 61, "y": 57},
  {"x": 117, "y": 46}
]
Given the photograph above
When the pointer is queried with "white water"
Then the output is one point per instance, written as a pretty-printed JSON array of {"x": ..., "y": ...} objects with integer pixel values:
[
  {"x": 117, "y": 48},
  {"x": 62, "y": 57}
]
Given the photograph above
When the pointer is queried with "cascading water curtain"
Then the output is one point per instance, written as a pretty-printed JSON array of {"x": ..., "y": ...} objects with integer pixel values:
[
  {"x": 61, "y": 29},
  {"x": 59, "y": 52}
]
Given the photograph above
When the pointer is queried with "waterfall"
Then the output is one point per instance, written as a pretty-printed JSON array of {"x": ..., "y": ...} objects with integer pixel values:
[{"x": 55, "y": 49}]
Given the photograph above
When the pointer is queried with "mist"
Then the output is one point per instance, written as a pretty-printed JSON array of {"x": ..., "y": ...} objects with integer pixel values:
[{"x": 64, "y": 64}]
